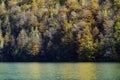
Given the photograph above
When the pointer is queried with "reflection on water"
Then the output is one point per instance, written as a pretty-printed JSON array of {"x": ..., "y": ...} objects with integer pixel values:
[
  {"x": 59, "y": 71},
  {"x": 87, "y": 71}
]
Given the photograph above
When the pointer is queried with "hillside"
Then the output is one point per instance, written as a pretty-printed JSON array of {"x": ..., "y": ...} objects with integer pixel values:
[{"x": 59, "y": 30}]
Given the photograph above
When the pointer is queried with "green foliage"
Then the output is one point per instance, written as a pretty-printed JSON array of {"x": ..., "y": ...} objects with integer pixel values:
[
  {"x": 1, "y": 38},
  {"x": 117, "y": 39},
  {"x": 62, "y": 2},
  {"x": 1, "y": 42},
  {"x": 0, "y": 25},
  {"x": 117, "y": 31},
  {"x": 117, "y": 4},
  {"x": 34, "y": 45},
  {"x": 105, "y": 13}
]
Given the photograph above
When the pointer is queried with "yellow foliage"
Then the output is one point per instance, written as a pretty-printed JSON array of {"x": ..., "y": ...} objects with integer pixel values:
[
  {"x": 13, "y": 2},
  {"x": 84, "y": 3},
  {"x": 64, "y": 10},
  {"x": 1, "y": 41},
  {"x": 105, "y": 13},
  {"x": 95, "y": 5},
  {"x": 73, "y": 4},
  {"x": 52, "y": 10},
  {"x": 41, "y": 3},
  {"x": 117, "y": 4},
  {"x": 85, "y": 39},
  {"x": 67, "y": 26},
  {"x": 2, "y": 8},
  {"x": 25, "y": 6},
  {"x": 34, "y": 48}
]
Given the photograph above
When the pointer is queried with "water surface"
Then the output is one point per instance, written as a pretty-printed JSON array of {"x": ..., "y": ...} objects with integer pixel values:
[{"x": 59, "y": 71}]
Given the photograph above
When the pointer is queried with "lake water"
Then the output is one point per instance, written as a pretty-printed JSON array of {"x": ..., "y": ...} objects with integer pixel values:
[{"x": 59, "y": 71}]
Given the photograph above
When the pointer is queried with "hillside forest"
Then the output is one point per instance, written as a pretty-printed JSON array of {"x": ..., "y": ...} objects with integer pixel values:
[{"x": 59, "y": 30}]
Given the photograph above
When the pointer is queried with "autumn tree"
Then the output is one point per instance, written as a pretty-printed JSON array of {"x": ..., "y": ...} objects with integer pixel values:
[
  {"x": 2, "y": 8},
  {"x": 86, "y": 47},
  {"x": 34, "y": 45},
  {"x": 22, "y": 39}
]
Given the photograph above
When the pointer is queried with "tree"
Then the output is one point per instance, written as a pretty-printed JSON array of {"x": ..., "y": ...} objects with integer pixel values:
[
  {"x": 86, "y": 47},
  {"x": 108, "y": 26},
  {"x": 34, "y": 45},
  {"x": 117, "y": 38},
  {"x": 2, "y": 8},
  {"x": 1, "y": 37},
  {"x": 22, "y": 39}
]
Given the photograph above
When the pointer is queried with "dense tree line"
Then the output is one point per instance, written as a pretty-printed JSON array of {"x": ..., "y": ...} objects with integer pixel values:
[{"x": 59, "y": 30}]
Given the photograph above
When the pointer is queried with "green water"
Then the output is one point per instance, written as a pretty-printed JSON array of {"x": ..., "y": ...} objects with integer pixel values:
[{"x": 59, "y": 71}]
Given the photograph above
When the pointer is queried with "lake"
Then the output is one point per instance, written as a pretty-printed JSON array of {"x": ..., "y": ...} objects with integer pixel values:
[{"x": 59, "y": 71}]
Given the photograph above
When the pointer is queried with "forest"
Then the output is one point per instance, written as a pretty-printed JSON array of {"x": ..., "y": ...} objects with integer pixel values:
[{"x": 59, "y": 30}]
